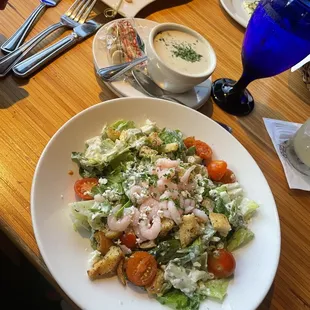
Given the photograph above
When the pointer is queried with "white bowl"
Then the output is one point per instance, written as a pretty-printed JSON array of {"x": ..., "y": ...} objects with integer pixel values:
[
  {"x": 166, "y": 76},
  {"x": 65, "y": 251}
]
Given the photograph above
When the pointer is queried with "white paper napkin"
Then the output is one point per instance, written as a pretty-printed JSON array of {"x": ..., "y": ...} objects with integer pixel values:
[{"x": 280, "y": 131}]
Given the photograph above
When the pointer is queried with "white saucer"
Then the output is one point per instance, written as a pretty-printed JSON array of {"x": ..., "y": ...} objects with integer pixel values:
[
  {"x": 194, "y": 98},
  {"x": 236, "y": 10},
  {"x": 128, "y": 9}
]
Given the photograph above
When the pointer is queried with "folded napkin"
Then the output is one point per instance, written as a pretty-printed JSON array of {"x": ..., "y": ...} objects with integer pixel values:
[{"x": 279, "y": 132}]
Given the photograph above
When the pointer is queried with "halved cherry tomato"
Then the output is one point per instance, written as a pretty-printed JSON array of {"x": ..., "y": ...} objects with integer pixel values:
[
  {"x": 84, "y": 185},
  {"x": 217, "y": 169},
  {"x": 141, "y": 268},
  {"x": 228, "y": 177},
  {"x": 203, "y": 150},
  {"x": 129, "y": 240},
  {"x": 189, "y": 142},
  {"x": 221, "y": 263}
]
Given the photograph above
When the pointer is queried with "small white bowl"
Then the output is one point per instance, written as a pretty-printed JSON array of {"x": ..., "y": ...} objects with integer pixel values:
[{"x": 166, "y": 76}]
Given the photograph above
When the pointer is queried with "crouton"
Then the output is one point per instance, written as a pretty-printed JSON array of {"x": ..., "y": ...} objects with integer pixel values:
[
  {"x": 147, "y": 152},
  {"x": 112, "y": 133},
  {"x": 103, "y": 243},
  {"x": 154, "y": 139},
  {"x": 156, "y": 286},
  {"x": 166, "y": 226},
  {"x": 120, "y": 272},
  {"x": 189, "y": 230},
  {"x": 148, "y": 245},
  {"x": 107, "y": 265},
  {"x": 110, "y": 234},
  {"x": 220, "y": 223},
  {"x": 170, "y": 147}
]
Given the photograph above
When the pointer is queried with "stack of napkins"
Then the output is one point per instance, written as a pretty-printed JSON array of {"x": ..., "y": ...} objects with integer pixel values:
[{"x": 279, "y": 132}]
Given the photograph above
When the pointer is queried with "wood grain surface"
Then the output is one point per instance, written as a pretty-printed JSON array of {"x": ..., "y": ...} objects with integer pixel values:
[{"x": 32, "y": 110}]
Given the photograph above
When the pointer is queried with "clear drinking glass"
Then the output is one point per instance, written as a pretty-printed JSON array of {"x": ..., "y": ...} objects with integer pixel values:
[
  {"x": 277, "y": 37},
  {"x": 297, "y": 149}
]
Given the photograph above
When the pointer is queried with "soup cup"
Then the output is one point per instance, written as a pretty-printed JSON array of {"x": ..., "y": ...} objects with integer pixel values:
[{"x": 167, "y": 76}]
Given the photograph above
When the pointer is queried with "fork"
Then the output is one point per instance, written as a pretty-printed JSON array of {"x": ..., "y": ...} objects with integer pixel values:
[{"x": 75, "y": 15}]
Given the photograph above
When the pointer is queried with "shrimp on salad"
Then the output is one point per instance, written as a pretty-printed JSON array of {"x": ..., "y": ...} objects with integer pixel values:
[{"x": 169, "y": 216}]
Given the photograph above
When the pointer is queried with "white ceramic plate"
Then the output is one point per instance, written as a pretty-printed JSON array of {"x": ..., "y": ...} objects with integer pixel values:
[
  {"x": 128, "y": 9},
  {"x": 65, "y": 251},
  {"x": 194, "y": 98},
  {"x": 236, "y": 10}
]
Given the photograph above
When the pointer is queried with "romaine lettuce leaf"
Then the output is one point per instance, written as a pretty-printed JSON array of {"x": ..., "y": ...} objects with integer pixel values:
[
  {"x": 175, "y": 299},
  {"x": 170, "y": 137},
  {"x": 240, "y": 237},
  {"x": 166, "y": 251},
  {"x": 89, "y": 214},
  {"x": 214, "y": 288},
  {"x": 247, "y": 208}
]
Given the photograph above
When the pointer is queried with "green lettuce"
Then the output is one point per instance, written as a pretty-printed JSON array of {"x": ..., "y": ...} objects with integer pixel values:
[
  {"x": 214, "y": 288},
  {"x": 240, "y": 237},
  {"x": 177, "y": 300},
  {"x": 247, "y": 208},
  {"x": 89, "y": 214},
  {"x": 166, "y": 251},
  {"x": 173, "y": 137},
  {"x": 121, "y": 125}
]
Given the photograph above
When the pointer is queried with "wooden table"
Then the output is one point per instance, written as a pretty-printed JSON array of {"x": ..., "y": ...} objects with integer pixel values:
[{"x": 32, "y": 110}]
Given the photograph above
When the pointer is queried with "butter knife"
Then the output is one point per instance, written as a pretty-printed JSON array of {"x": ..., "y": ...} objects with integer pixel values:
[{"x": 79, "y": 33}]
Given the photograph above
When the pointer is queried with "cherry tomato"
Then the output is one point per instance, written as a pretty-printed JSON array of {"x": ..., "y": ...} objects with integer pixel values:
[
  {"x": 84, "y": 185},
  {"x": 129, "y": 240},
  {"x": 189, "y": 142},
  {"x": 217, "y": 169},
  {"x": 141, "y": 268},
  {"x": 228, "y": 177},
  {"x": 203, "y": 150},
  {"x": 221, "y": 263}
]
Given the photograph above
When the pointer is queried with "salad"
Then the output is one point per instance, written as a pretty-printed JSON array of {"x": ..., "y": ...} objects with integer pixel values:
[
  {"x": 162, "y": 214},
  {"x": 250, "y": 6}
]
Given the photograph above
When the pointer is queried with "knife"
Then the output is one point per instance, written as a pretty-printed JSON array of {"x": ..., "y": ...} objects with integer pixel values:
[{"x": 79, "y": 33}]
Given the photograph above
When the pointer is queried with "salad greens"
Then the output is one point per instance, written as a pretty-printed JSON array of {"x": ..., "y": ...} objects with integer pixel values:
[{"x": 149, "y": 183}]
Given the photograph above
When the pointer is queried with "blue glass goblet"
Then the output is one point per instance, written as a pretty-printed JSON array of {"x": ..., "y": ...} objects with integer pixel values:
[{"x": 277, "y": 37}]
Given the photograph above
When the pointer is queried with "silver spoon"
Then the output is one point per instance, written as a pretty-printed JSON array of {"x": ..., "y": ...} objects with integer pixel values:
[
  {"x": 153, "y": 90},
  {"x": 111, "y": 73},
  {"x": 150, "y": 87},
  {"x": 19, "y": 36}
]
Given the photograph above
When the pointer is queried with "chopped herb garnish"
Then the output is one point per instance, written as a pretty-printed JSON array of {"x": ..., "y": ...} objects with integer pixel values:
[{"x": 186, "y": 52}]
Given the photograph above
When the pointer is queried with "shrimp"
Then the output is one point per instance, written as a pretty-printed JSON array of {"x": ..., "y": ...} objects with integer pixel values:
[
  {"x": 163, "y": 184},
  {"x": 135, "y": 194},
  {"x": 175, "y": 215},
  {"x": 150, "y": 207},
  {"x": 170, "y": 194},
  {"x": 181, "y": 201},
  {"x": 189, "y": 205},
  {"x": 165, "y": 173},
  {"x": 201, "y": 214},
  {"x": 166, "y": 163},
  {"x": 163, "y": 205},
  {"x": 135, "y": 217},
  {"x": 185, "y": 177},
  {"x": 137, "y": 232},
  {"x": 119, "y": 225},
  {"x": 150, "y": 233}
]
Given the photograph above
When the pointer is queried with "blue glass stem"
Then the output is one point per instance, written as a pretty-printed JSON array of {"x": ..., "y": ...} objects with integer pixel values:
[{"x": 241, "y": 85}]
